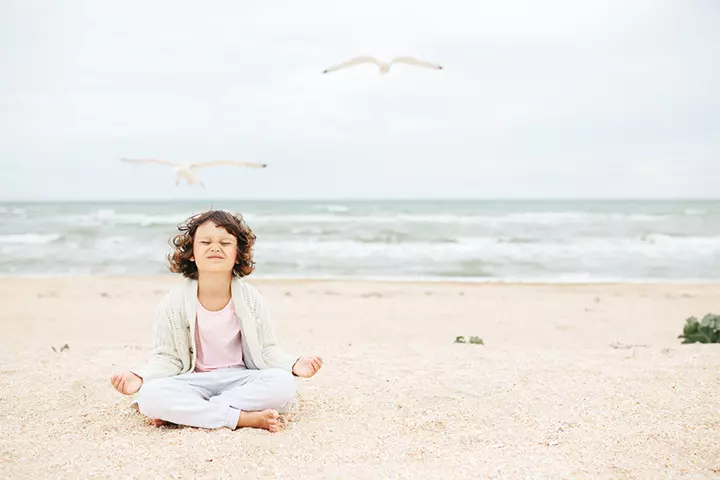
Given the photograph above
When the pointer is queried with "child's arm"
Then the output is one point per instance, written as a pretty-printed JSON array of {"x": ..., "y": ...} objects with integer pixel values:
[{"x": 272, "y": 354}]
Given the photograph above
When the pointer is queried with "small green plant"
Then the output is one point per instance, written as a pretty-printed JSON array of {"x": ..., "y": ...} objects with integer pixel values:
[
  {"x": 706, "y": 330},
  {"x": 473, "y": 340}
]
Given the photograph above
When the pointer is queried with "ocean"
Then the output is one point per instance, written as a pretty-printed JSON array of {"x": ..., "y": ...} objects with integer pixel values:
[{"x": 474, "y": 240}]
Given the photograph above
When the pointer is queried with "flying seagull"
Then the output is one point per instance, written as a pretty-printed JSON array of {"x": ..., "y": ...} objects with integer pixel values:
[
  {"x": 187, "y": 170},
  {"x": 383, "y": 66}
]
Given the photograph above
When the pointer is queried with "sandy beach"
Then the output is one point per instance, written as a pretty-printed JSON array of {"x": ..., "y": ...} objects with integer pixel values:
[{"x": 573, "y": 381}]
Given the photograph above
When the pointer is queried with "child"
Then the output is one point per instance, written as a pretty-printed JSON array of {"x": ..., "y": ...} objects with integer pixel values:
[{"x": 216, "y": 363}]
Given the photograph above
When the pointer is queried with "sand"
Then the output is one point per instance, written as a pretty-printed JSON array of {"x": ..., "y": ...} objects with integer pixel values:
[{"x": 574, "y": 381}]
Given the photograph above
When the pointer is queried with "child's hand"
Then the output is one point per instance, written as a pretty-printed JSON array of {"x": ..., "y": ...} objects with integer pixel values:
[
  {"x": 307, "y": 366},
  {"x": 126, "y": 383}
]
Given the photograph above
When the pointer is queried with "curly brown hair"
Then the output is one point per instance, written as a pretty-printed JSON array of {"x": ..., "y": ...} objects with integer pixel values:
[{"x": 236, "y": 226}]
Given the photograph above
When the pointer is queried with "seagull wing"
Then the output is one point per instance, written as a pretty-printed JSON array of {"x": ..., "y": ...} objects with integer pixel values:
[
  {"x": 195, "y": 166},
  {"x": 352, "y": 62},
  {"x": 416, "y": 63},
  {"x": 150, "y": 160}
]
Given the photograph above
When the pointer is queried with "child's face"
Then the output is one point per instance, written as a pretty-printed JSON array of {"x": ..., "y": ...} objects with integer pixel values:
[{"x": 214, "y": 249}]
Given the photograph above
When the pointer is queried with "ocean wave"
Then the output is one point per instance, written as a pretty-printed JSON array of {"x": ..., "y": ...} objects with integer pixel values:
[
  {"x": 13, "y": 211},
  {"x": 681, "y": 241},
  {"x": 656, "y": 246},
  {"x": 338, "y": 214},
  {"x": 400, "y": 238},
  {"x": 29, "y": 239},
  {"x": 314, "y": 230},
  {"x": 332, "y": 208},
  {"x": 111, "y": 217},
  {"x": 518, "y": 218},
  {"x": 474, "y": 268},
  {"x": 518, "y": 240}
]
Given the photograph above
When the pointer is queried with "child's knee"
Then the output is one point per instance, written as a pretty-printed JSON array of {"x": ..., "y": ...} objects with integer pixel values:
[
  {"x": 284, "y": 384},
  {"x": 152, "y": 394}
]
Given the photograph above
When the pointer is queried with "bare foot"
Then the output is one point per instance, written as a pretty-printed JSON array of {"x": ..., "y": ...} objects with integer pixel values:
[
  {"x": 267, "y": 419},
  {"x": 157, "y": 422}
]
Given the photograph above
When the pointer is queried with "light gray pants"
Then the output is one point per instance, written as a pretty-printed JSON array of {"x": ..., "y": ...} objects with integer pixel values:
[{"x": 215, "y": 399}]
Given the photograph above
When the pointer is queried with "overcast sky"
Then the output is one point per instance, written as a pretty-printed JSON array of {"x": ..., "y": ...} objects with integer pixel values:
[{"x": 537, "y": 99}]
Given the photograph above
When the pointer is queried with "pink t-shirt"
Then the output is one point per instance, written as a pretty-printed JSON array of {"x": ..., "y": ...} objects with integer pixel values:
[{"x": 217, "y": 336}]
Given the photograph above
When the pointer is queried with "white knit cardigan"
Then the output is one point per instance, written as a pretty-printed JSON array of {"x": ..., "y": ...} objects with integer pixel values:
[{"x": 174, "y": 331}]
